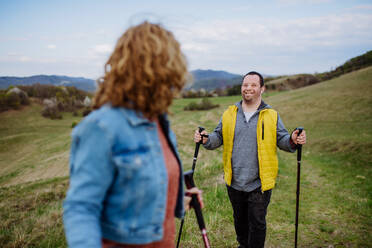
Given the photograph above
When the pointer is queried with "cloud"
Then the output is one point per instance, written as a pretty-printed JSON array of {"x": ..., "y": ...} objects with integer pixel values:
[
  {"x": 303, "y": 32},
  {"x": 102, "y": 49},
  {"x": 304, "y": 1},
  {"x": 14, "y": 38},
  {"x": 15, "y": 57},
  {"x": 12, "y": 57},
  {"x": 362, "y": 7},
  {"x": 51, "y": 46},
  {"x": 219, "y": 43},
  {"x": 24, "y": 59}
]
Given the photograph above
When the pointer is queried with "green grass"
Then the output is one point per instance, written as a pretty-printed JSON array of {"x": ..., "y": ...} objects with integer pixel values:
[
  {"x": 33, "y": 147},
  {"x": 31, "y": 214},
  {"x": 335, "y": 201}
]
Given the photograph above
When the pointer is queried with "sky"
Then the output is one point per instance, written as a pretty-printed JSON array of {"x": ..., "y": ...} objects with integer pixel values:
[{"x": 273, "y": 37}]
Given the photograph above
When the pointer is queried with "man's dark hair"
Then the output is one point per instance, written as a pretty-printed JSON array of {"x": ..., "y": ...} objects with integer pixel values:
[{"x": 255, "y": 73}]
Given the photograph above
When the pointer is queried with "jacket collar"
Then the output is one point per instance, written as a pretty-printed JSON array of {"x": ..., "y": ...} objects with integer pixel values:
[
  {"x": 136, "y": 118},
  {"x": 262, "y": 106}
]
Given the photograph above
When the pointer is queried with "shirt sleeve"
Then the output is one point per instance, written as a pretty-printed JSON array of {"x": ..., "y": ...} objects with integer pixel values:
[
  {"x": 283, "y": 137},
  {"x": 215, "y": 138},
  {"x": 91, "y": 173}
]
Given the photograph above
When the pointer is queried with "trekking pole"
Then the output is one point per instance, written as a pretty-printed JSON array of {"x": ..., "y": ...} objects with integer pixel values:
[
  {"x": 197, "y": 146},
  {"x": 299, "y": 151},
  {"x": 201, "y": 129},
  {"x": 189, "y": 179}
]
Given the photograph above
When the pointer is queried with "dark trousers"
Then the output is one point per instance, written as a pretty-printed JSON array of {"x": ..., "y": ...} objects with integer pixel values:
[{"x": 250, "y": 210}]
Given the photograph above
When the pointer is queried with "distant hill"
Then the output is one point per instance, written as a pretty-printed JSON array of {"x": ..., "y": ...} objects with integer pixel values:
[
  {"x": 211, "y": 79},
  {"x": 209, "y": 74},
  {"x": 353, "y": 64},
  {"x": 207, "y": 79},
  {"x": 290, "y": 82},
  {"x": 79, "y": 82}
]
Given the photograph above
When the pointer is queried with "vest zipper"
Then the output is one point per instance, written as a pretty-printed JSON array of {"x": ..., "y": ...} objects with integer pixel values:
[{"x": 263, "y": 130}]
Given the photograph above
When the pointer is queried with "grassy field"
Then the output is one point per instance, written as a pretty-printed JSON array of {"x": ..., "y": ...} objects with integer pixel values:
[{"x": 335, "y": 203}]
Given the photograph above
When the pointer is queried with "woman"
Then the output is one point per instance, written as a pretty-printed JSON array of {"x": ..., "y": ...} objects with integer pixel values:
[{"x": 126, "y": 183}]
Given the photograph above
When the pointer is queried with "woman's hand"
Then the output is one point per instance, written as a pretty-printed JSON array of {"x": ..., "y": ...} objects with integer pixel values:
[{"x": 187, "y": 197}]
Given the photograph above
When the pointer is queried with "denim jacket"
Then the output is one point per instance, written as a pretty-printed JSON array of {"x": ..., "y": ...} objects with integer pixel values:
[{"x": 118, "y": 180}]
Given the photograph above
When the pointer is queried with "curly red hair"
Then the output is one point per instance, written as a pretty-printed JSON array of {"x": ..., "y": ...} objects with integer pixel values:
[{"x": 144, "y": 72}]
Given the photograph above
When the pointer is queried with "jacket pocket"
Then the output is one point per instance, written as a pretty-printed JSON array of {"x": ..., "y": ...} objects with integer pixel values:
[{"x": 131, "y": 164}]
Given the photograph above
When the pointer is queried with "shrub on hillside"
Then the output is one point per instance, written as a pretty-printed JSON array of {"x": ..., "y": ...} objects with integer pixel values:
[
  {"x": 9, "y": 101},
  {"x": 13, "y": 98},
  {"x": 293, "y": 82},
  {"x": 86, "y": 111},
  {"x": 73, "y": 124},
  {"x": 65, "y": 94},
  {"x": 353, "y": 64},
  {"x": 65, "y": 98},
  {"x": 51, "y": 112},
  {"x": 205, "y": 104},
  {"x": 234, "y": 90},
  {"x": 202, "y": 93},
  {"x": 3, "y": 106}
]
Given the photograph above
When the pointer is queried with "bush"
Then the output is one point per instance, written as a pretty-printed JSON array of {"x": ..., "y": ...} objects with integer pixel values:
[
  {"x": 68, "y": 98},
  {"x": 234, "y": 90},
  {"x": 12, "y": 101},
  {"x": 74, "y": 123},
  {"x": 191, "y": 106},
  {"x": 205, "y": 104},
  {"x": 86, "y": 111},
  {"x": 51, "y": 112},
  {"x": 3, "y": 102}
]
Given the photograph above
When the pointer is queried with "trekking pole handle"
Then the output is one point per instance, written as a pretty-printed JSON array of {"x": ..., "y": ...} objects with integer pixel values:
[
  {"x": 201, "y": 129},
  {"x": 300, "y": 129},
  {"x": 299, "y": 147}
]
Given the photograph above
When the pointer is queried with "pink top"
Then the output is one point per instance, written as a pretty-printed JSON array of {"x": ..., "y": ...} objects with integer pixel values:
[{"x": 169, "y": 224}]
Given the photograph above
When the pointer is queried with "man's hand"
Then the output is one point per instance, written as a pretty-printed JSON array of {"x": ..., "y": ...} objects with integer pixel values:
[
  {"x": 197, "y": 136},
  {"x": 187, "y": 198},
  {"x": 299, "y": 139}
]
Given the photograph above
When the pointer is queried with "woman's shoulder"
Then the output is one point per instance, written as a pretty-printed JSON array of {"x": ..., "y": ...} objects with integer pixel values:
[
  {"x": 107, "y": 118},
  {"x": 107, "y": 113}
]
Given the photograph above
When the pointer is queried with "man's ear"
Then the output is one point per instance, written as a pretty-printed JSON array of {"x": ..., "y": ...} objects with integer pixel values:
[{"x": 263, "y": 89}]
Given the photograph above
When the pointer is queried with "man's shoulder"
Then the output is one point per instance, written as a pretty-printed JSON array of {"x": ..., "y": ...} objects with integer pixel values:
[
  {"x": 231, "y": 109},
  {"x": 234, "y": 106}
]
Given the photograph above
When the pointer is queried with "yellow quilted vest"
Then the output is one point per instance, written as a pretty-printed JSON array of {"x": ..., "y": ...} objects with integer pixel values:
[{"x": 266, "y": 145}]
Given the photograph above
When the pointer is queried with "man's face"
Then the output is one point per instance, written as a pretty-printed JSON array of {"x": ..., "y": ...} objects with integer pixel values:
[{"x": 251, "y": 89}]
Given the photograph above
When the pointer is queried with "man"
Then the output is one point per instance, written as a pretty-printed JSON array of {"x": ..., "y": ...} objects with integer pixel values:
[{"x": 250, "y": 131}]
